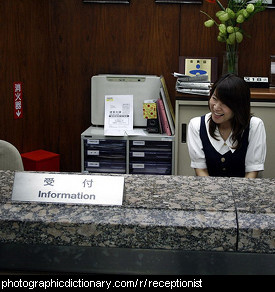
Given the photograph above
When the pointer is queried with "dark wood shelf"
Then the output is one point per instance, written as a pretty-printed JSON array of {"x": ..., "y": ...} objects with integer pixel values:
[{"x": 256, "y": 94}]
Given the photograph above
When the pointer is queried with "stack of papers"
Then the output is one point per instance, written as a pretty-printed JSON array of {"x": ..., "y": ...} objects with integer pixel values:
[{"x": 198, "y": 84}]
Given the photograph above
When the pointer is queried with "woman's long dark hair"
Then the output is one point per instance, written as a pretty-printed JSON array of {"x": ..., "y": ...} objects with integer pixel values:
[{"x": 234, "y": 92}]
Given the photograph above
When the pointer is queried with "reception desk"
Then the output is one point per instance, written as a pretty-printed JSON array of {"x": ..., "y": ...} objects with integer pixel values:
[{"x": 166, "y": 225}]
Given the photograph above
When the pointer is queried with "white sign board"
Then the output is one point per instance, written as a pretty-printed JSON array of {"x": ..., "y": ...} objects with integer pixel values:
[
  {"x": 68, "y": 188},
  {"x": 118, "y": 115}
]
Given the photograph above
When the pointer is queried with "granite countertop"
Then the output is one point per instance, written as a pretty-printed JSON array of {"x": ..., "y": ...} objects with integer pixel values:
[{"x": 161, "y": 212}]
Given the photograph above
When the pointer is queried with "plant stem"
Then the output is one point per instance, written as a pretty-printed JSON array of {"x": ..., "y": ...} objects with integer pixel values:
[
  {"x": 221, "y": 6},
  {"x": 209, "y": 17},
  {"x": 231, "y": 55}
]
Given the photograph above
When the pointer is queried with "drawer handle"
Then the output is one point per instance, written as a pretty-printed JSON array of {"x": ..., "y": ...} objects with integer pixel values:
[{"x": 183, "y": 133}]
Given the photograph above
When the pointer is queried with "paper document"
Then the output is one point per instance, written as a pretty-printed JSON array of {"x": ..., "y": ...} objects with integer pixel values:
[
  {"x": 136, "y": 132},
  {"x": 118, "y": 115}
]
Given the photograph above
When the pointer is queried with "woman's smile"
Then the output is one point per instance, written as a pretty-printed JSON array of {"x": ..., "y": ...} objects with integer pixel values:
[{"x": 220, "y": 112}]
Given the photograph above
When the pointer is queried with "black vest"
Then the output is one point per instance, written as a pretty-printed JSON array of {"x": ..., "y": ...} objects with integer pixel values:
[{"x": 229, "y": 164}]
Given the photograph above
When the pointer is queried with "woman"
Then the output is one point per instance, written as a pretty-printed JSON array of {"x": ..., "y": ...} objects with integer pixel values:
[{"x": 228, "y": 141}]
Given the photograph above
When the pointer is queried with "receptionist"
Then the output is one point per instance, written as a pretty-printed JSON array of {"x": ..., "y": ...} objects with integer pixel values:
[{"x": 228, "y": 141}]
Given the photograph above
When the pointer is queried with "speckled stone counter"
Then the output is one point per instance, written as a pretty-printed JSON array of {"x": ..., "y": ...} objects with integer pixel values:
[
  {"x": 158, "y": 212},
  {"x": 255, "y": 214}
]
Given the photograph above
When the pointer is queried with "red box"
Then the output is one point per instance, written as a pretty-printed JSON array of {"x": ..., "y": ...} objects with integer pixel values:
[{"x": 41, "y": 160}]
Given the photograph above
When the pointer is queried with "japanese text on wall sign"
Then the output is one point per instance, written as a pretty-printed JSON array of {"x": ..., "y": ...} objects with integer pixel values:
[{"x": 18, "y": 100}]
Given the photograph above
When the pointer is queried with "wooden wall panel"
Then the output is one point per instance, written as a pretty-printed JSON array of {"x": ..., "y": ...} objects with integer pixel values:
[
  {"x": 55, "y": 47},
  {"x": 24, "y": 57}
]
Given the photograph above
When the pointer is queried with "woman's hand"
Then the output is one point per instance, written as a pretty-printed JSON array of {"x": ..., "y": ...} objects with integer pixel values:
[
  {"x": 252, "y": 174},
  {"x": 201, "y": 172}
]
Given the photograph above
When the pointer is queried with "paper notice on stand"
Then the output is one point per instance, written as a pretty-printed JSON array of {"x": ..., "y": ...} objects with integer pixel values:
[{"x": 118, "y": 115}]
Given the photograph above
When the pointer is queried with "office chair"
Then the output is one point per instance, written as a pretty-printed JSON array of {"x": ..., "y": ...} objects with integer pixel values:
[{"x": 10, "y": 158}]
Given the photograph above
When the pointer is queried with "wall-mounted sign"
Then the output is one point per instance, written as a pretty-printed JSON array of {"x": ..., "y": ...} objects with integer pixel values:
[
  {"x": 68, "y": 188},
  {"x": 193, "y": 66},
  {"x": 18, "y": 100}
]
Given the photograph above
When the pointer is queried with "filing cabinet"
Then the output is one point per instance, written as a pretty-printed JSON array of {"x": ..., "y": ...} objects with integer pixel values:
[
  {"x": 149, "y": 154},
  {"x": 150, "y": 157},
  {"x": 104, "y": 155}
]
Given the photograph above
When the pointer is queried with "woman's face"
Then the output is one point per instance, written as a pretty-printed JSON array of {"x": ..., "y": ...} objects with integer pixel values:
[{"x": 221, "y": 113}]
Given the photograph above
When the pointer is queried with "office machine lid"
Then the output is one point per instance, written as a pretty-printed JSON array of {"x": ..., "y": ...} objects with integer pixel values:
[{"x": 142, "y": 87}]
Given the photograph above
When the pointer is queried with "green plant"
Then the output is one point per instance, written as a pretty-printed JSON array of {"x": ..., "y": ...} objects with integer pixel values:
[{"x": 230, "y": 19}]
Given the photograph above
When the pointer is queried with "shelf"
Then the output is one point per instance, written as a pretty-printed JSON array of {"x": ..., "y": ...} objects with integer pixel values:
[
  {"x": 263, "y": 93},
  {"x": 256, "y": 94}
]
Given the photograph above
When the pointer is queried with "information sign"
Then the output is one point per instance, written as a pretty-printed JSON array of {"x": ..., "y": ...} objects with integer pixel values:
[{"x": 68, "y": 188}]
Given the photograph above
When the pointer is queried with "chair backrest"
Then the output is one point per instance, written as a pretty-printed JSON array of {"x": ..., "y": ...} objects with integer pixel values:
[{"x": 10, "y": 158}]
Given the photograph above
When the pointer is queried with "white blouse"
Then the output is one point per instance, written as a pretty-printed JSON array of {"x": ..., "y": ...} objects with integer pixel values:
[{"x": 256, "y": 151}]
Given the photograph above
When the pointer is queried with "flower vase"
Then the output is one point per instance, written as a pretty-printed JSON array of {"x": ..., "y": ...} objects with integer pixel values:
[{"x": 230, "y": 61}]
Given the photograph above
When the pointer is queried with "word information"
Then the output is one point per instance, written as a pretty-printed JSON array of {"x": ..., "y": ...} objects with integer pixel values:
[{"x": 68, "y": 188}]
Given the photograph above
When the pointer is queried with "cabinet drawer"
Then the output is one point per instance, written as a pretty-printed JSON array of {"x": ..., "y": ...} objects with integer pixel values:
[
  {"x": 105, "y": 151},
  {"x": 153, "y": 145},
  {"x": 105, "y": 167},
  {"x": 117, "y": 145},
  {"x": 94, "y": 154},
  {"x": 150, "y": 168},
  {"x": 153, "y": 156}
]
